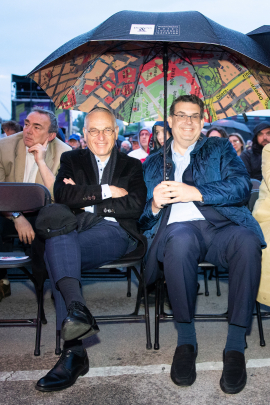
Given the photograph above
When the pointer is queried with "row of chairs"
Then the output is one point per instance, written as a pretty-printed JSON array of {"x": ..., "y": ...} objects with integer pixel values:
[{"x": 26, "y": 197}]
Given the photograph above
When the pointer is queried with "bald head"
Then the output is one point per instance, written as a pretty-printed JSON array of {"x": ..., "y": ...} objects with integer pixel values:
[{"x": 101, "y": 110}]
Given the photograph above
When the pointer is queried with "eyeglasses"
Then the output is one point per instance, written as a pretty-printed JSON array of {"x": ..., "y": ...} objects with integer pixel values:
[
  {"x": 183, "y": 118},
  {"x": 94, "y": 132},
  {"x": 235, "y": 141}
]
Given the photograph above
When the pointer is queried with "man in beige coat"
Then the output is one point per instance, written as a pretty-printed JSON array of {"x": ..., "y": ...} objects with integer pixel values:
[
  {"x": 31, "y": 156},
  {"x": 261, "y": 213}
]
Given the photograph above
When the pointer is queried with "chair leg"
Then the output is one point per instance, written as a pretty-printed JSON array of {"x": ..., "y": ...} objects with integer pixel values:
[
  {"x": 139, "y": 298},
  {"x": 40, "y": 316},
  {"x": 217, "y": 281},
  {"x": 58, "y": 350},
  {"x": 129, "y": 281},
  {"x": 205, "y": 282},
  {"x": 259, "y": 319},
  {"x": 157, "y": 305},
  {"x": 161, "y": 296},
  {"x": 211, "y": 274},
  {"x": 146, "y": 308}
]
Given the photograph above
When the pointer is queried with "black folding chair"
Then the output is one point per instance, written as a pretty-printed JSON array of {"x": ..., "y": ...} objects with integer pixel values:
[
  {"x": 131, "y": 262},
  {"x": 24, "y": 197}
]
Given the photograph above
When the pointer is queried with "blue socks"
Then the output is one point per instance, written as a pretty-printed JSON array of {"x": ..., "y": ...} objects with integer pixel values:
[
  {"x": 186, "y": 334},
  {"x": 236, "y": 339}
]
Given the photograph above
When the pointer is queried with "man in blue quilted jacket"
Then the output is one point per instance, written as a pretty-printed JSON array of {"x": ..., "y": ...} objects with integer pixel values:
[{"x": 199, "y": 214}]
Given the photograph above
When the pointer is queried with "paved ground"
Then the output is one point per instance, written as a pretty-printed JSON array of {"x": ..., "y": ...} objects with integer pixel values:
[{"x": 122, "y": 371}]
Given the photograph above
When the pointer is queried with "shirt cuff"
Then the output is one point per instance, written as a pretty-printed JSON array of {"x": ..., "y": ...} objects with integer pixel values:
[{"x": 106, "y": 192}]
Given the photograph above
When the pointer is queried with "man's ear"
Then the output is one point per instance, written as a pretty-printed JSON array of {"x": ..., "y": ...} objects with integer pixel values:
[
  {"x": 85, "y": 133},
  {"x": 116, "y": 131},
  {"x": 51, "y": 136},
  {"x": 170, "y": 121}
]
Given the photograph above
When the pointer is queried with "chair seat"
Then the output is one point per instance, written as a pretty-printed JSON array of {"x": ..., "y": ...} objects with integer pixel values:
[{"x": 13, "y": 263}]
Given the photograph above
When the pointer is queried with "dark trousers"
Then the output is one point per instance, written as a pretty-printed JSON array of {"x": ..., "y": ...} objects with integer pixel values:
[
  {"x": 185, "y": 244},
  {"x": 67, "y": 255},
  {"x": 35, "y": 250}
]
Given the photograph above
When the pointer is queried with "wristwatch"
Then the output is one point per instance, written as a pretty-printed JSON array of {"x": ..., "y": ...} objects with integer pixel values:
[{"x": 16, "y": 215}]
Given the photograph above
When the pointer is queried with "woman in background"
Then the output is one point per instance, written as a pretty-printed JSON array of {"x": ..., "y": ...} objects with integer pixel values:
[
  {"x": 218, "y": 132},
  {"x": 237, "y": 142}
]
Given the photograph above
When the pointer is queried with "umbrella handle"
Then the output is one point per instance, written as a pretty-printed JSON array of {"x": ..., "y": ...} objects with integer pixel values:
[{"x": 165, "y": 71}]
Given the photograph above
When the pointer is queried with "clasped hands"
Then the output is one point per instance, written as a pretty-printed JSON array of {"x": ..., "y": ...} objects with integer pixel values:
[
  {"x": 169, "y": 192},
  {"x": 116, "y": 191}
]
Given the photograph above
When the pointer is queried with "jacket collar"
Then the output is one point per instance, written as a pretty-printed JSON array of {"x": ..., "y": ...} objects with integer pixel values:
[
  {"x": 121, "y": 162},
  {"x": 201, "y": 141}
]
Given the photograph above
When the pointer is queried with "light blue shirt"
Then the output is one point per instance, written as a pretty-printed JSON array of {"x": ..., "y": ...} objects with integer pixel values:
[{"x": 183, "y": 211}]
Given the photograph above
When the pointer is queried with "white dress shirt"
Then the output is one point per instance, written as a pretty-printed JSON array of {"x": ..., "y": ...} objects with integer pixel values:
[
  {"x": 105, "y": 188},
  {"x": 183, "y": 211},
  {"x": 31, "y": 168}
]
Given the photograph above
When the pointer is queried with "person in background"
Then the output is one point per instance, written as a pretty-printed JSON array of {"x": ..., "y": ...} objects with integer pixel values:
[
  {"x": 126, "y": 147},
  {"x": 10, "y": 128},
  {"x": 217, "y": 132},
  {"x": 237, "y": 142},
  {"x": 83, "y": 143},
  {"x": 135, "y": 142},
  {"x": 31, "y": 156},
  {"x": 60, "y": 135},
  {"x": 143, "y": 139},
  {"x": 158, "y": 136},
  {"x": 261, "y": 213},
  {"x": 74, "y": 141},
  {"x": 252, "y": 158},
  {"x": 249, "y": 144}
]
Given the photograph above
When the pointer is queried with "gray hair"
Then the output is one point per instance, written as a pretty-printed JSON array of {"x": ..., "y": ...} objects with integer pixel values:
[
  {"x": 54, "y": 125},
  {"x": 101, "y": 109},
  {"x": 127, "y": 143}
]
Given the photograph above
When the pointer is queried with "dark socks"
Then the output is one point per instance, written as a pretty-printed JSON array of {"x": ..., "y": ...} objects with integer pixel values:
[
  {"x": 70, "y": 290},
  {"x": 236, "y": 339},
  {"x": 186, "y": 334},
  {"x": 75, "y": 345}
]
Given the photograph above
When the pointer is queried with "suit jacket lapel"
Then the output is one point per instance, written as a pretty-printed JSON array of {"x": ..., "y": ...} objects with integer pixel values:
[
  {"x": 20, "y": 154},
  {"x": 87, "y": 166},
  {"x": 119, "y": 167}
]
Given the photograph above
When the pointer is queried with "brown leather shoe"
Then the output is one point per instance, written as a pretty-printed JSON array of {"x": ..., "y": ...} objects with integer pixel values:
[{"x": 5, "y": 290}]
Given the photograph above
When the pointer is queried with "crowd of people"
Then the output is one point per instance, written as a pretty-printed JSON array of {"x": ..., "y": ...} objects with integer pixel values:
[{"x": 117, "y": 205}]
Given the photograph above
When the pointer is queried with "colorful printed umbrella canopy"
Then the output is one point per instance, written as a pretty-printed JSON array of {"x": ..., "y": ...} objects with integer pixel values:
[
  {"x": 137, "y": 63},
  {"x": 119, "y": 65}
]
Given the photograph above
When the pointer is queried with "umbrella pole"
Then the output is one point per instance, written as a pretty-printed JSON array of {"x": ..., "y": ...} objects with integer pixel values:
[{"x": 165, "y": 71}]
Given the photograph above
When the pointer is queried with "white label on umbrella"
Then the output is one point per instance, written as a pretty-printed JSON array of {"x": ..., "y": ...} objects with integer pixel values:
[{"x": 142, "y": 29}]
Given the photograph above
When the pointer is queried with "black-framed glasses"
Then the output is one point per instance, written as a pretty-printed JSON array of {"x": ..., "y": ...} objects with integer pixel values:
[
  {"x": 184, "y": 118},
  {"x": 95, "y": 132}
]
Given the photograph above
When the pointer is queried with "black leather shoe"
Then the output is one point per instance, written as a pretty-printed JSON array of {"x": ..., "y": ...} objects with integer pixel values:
[
  {"x": 65, "y": 373},
  {"x": 234, "y": 375},
  {"x": 183, "y": 370},
  {"x": 79, "y": 323}
]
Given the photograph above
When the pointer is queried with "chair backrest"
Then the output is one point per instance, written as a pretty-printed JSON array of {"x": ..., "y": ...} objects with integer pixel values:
[
  {"x": 254, "y": 193},
  {"x": 23, "y": 196}
]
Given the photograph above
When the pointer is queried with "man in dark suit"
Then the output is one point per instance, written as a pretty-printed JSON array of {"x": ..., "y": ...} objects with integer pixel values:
[{"x": 109, "y": 186}]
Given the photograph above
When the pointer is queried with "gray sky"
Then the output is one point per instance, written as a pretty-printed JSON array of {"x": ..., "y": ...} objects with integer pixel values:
[{"x": 30, "y": 30}]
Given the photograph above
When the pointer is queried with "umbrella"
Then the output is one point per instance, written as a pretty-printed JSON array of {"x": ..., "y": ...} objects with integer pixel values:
[
  {"x": 231, "y": 126},
  {"x": 137, "y": 63}
]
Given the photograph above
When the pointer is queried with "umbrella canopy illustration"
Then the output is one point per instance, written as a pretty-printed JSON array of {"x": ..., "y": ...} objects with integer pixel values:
[{"x": 137, "y": 63}]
